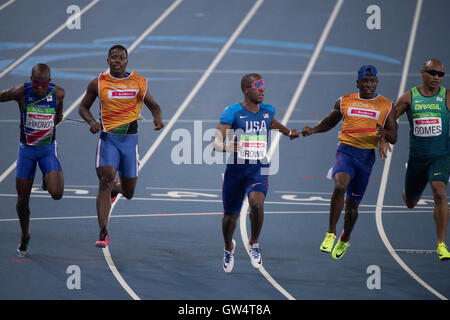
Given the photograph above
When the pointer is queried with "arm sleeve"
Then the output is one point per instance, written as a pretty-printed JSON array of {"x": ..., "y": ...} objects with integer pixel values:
[{"x": 227, "y": 116}]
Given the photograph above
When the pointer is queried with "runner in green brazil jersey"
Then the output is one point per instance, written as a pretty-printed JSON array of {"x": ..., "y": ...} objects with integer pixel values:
[
  {"x": 428, "y": 118},
  {"x": 427, "y": 109}
]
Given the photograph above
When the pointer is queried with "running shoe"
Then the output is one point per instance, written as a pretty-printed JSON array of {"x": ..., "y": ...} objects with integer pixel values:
[
  {"x": 340, "y": 249},
  {"x": 115, "y": 197},
  {"x": 442, "y": 251},
  {"x": 328, "y": 242},
  {"x": 255, "y": 255},
  {"x": 228, "y": 259},
  {"x": 22, "y": 248},
  {"x": 102, "y": 243}
]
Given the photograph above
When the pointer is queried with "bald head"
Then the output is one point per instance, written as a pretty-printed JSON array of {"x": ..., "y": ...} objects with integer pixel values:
[
  {"x": 40, "y": 79},
  {"x": 41, "y": 71},
  {"x": 433, "y": 64},
  {"x": 432, "y": 74}
]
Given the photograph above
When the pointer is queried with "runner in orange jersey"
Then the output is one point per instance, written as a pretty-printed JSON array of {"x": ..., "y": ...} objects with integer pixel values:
[
  {"x": 122, "y": 95},
  {"x": 365, "y": 114}
]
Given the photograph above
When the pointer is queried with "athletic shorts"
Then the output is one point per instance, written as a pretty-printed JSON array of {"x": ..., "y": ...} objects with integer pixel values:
[
  {"x": 238, "y": 181},
  {"x": 28, "y": 156},
  {"x": 358, "y": 164},
  {"x": 119, "y": 151},
  {"x": 421, "y": 171}
]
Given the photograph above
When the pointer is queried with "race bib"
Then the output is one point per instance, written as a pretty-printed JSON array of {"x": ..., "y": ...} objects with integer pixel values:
[
  {"x": 252, "y": 147},
  {"x": 427, "y": 125},
  {"x": 365, "y": 113},
  {"x": 122, "y": 94},
  {"x": 40, "y": 118}
]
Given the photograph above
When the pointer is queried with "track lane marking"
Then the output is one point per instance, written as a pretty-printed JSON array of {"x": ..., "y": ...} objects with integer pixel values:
[{"x": 45, "y": 40}]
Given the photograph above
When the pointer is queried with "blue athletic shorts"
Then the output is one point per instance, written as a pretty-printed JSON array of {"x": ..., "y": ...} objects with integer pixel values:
[
  {"x": 28, "y": 156},
  {"x": 238, "y": 181},
  {"x": 358, "y": 164},
  {"x": 119, "y": 151}
]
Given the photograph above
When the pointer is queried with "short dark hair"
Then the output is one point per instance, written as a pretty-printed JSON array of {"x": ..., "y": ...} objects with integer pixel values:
[
  {"x": 40, "y": 68},
  {"x": 117, "y": 46},
  {"x": 246, "y": 80}
]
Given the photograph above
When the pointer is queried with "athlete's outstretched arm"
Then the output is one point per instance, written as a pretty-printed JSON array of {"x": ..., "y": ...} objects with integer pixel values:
[
  {"x": 155, "y": 109},
  {"x": 86, "y": 104},
  {"x": 328, "y": 123},
  {"x": 276, "y": 125},
  {"x": 15, "y": 93}
]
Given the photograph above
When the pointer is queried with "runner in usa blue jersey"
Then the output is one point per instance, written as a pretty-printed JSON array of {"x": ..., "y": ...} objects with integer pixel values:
[
  {"x": 40, "y": 103},
  {"x": 248, "y": 123}
]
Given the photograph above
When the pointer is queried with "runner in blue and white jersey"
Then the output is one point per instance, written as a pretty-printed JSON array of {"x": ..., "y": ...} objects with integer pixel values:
[
  {"x": 248, "y": 123},
  {"x": 40, "y": 104}
]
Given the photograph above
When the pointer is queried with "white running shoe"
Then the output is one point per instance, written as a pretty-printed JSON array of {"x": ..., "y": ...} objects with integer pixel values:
[
  {"x": 23, "y": 248},
  {"x": 228, "y": 259},
  {"x": 255, "y": 255}
]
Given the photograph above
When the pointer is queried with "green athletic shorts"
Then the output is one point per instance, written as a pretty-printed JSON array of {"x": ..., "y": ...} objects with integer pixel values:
[{"x": 421, "y": 171}]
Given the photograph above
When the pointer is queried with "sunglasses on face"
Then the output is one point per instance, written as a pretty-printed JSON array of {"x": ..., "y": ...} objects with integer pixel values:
[
  {"x": 40, "y": 84},
  {"x": 258, "y": 84},
  {"x": 440, "y": 74}
]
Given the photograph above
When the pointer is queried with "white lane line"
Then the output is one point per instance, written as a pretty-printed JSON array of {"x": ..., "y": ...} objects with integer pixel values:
[
  {"x": 8, "y": 171},
  {"x": 192, "y": 214},
  {"x": 402, "y": 210},
  {"x": 117, "y": 274},
  {"x": 387, "y": 164},
  {"x": 133, "y": 46},
  {"x": 290, "y": 109},
  {"x": 180, "y": 110},
  {"x": 45, "y": 40},
  {"x": 426, "y": 251},
  {"x": 202, "y": 80},
  {"x": 3, "y": 6}
]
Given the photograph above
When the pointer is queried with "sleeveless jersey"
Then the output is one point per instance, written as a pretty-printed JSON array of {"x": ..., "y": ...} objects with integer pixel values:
[
  {"x": 251, "y": 130},
  {"x": 37, "y": 121},
  {"x": 429, "y": 124},
  {"x": 121, "y": 102},
  {"x": 360, "y": 119}
]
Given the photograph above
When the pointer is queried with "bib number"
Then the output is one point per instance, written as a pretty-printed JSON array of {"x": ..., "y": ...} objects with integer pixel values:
[
  {"x": 252, "y": 147},
  {"x": 427, "y": 127},
  {"x": 39, "y": 121}
]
